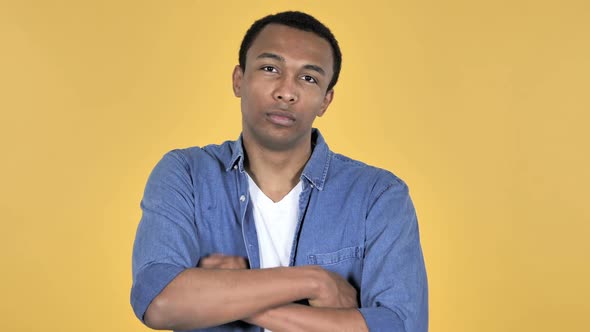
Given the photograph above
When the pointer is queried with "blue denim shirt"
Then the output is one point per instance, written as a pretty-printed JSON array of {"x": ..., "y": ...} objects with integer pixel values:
[{"x": 354, "y": 219}]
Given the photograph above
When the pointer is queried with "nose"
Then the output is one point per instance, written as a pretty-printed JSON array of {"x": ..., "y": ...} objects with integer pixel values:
[{"x": 285, "y": 91}]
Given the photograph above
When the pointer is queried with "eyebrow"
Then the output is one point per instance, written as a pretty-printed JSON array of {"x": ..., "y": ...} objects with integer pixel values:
[{"x": 279, "y": 58}]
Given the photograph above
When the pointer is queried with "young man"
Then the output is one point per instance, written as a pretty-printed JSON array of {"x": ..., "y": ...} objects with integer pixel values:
[{"x": 274, "y": 230}]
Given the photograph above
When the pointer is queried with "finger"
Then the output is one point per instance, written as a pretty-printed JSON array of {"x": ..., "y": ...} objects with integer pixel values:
[
  {"x": 216, "y": 257},
  {"x": 240, "y": 262},
  {"x": 206, "y": 263},
  {"x": 210, "y": 261},
  {"x": 220, "y": 261},
  {"x": 234, "y": 262}
]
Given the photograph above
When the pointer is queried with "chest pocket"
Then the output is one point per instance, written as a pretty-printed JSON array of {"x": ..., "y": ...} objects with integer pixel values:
[
  {"x": 348, "y": 262},
  {"x": 350, "y": 253}
]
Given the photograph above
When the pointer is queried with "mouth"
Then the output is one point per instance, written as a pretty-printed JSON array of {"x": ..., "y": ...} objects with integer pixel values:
[{"x": 281, "y": 118}]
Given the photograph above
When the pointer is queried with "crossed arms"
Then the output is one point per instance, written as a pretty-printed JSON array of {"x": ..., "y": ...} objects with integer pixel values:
[
  {"x": 174, "y": 287},
  {"x": 222, "y": 290}
]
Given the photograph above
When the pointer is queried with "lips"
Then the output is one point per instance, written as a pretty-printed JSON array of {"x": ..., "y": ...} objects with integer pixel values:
[{"x": 281, "y": 118}]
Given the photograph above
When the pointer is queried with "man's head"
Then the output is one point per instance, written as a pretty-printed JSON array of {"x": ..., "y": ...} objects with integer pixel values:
[
  {"x": 284, "y": 80},
  {"x": 300, "y": 21}
]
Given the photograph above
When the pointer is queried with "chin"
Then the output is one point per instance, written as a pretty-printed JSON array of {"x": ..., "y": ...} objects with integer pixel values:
[{"x": 278, "y": 142}]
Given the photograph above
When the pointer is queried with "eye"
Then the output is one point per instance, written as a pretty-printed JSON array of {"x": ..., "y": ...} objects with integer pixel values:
[
  {"x": 269, "y": 69},
  {"x": 309, "y": 79}
]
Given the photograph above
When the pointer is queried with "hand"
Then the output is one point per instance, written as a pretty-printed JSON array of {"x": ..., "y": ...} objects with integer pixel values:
[
  {"x": 220, "y": 261},
  {"x": 334, "y": 292}
]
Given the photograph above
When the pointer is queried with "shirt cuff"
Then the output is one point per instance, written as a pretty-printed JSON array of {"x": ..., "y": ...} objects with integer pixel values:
[
  {"x": 382, "y": 319},
  {"x": 149, "y": 283}
]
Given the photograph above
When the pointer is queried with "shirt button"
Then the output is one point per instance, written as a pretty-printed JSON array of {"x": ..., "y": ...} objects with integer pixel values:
[
  {"x": 311, "y": 185},
  {"x": 235, "y": 166},
  {"x": 242, "y": 198}
]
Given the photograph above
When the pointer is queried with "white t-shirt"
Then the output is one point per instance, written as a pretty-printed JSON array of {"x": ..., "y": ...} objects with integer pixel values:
[{"x": 275, "y": 224}]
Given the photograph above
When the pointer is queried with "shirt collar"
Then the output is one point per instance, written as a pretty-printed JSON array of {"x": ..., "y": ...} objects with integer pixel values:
[
  {"x": 237, "y": 158},
  {"x": 315, "y": 171}
]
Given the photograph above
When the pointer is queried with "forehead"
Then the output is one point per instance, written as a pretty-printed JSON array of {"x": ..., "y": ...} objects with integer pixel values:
[{"x": 292, "y": 44}]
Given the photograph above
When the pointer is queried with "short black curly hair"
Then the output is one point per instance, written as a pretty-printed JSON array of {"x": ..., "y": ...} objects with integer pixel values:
[{"x": 300, "y": 21}]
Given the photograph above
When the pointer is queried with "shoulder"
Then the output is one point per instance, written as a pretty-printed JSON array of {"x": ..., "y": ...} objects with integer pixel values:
[
  {"x": 376, "y": 180},
  {"x": 187, "y": 165},
  {"x": 196, "y": 157}
]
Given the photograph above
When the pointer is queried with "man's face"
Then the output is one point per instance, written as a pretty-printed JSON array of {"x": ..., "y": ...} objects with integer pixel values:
[{"x": 283, "y": 87}]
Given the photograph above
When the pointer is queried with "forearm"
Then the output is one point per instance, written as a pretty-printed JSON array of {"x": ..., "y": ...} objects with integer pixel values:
[
  {"x": 297, "y": 317},
  {"x": 199, "y": 297}
]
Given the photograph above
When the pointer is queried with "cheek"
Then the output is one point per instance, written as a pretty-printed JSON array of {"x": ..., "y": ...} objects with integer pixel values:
[
  {"x": 256, "y": 94},
  {"x": 252, "y": 106}
]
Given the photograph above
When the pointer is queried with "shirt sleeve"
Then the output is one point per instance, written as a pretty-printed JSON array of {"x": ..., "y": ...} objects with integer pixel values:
[
  {"x": 394, "y": 291},
  {"x": 165, "y": 242}
]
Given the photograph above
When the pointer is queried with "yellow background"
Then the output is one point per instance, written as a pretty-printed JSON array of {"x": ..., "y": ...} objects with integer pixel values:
[{"x": 481, "y": 106}]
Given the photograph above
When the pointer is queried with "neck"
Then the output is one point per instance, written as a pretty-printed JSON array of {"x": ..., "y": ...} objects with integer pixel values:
[{"x": 276, "y": 172}]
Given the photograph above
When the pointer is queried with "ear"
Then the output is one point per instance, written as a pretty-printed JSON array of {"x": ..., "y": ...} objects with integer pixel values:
[
  {"x": 237, "y": 76},
  {"x": 327, "y": 100}
]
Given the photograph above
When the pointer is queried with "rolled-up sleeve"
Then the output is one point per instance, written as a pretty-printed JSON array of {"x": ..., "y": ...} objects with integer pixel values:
[
  {"x": 394, "y": 291},
  {"x": 165, "y": 242}
]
